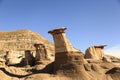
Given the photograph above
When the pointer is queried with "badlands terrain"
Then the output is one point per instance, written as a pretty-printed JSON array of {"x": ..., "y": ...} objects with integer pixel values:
[{"x": 26, "y": 55}]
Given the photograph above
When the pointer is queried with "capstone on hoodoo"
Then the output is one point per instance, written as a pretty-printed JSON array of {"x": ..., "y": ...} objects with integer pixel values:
[
  {"x": 67, "y": 59},
  {"x": 95, "y": 52}
]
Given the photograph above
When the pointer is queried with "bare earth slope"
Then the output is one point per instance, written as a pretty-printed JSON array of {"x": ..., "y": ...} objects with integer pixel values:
[
  {"x": 21, "y": 40},
  {"x": 69, "y": 64}
]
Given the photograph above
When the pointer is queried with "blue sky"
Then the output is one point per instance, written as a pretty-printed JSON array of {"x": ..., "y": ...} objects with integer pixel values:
[{"x": 89, "y": 22}]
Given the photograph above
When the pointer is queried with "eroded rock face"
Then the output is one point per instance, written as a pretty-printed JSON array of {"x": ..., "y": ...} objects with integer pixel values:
[
  {"x": 95, "y": 52},
  {"x": 67, "y": 60},
  {"x": 63, "y": 47},
  {"x": 106, "y": 59},
  {"x": 62, "y": 44},
  {"x": 69, "y": 64},
  {"x": 2, "y": 56},
  {"x": 29, "y": 60},
  {"x": 41, "y": 52},
  {"x": 114, "y": 73},
  {"x": 17, "y": 42},
  {"x": 12, "y": 57},
  {"x": 22, "y": 40}
]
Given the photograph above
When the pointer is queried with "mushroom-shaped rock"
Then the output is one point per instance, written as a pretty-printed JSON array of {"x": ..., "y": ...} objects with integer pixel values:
[
  {"x": 95, "y": 52},
  {"x": 68, "y": 61}
]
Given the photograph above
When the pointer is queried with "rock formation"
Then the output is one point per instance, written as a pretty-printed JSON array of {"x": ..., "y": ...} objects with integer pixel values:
[
  {"x": 69, "y": 63},
  {"x": 67, "y": 60},
  {"x": 41, "y": 53},
  {"x": 2, "y": 57},
  {"x": 17, "y": 42},
  {"x": 95, "y": 52},
  {"x": 13, "y": 58},
  {"x": 29, "y": 59},
  {"x": 61, "y": 42}
]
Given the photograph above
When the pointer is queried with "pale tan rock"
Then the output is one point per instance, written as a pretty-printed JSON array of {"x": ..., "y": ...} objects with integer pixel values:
[
  {"x": 114, "y": 73},
  {"x": 13, "y": 58},
  {"x": 17, "y": 42},
  {"x": 106, "y": 59},
  {"x": 95, "y": 52},
  {"x": 94, "y": 60},
  {"x": 69, "y": 64},
  {"x": 113, "y": 59},
  {"x": 62, "y": 44},
  {"x": 67, "y": 59},
  {"x": 2, "y": 62},
  {"x": 41, "y": 52},
  {"x": 29, "y": 59},
  {"x": 63, "y": 47},
  {"x": 21, "y": 40}
]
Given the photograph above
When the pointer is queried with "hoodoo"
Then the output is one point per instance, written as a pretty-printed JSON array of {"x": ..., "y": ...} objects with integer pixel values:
[
  {"x": 41, "y": 53},
  {"x": 95, "y": 52},
  {"x": 67, "y": 60},
  {"x": 32, "y": 57}
]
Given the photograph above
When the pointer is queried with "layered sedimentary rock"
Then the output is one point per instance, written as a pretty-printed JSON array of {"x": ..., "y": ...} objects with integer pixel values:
[
  {"x": 67, "y": 60},
  {"x": 29, "y": 60},
  {"x": 61, "y": 42},
  {"x": 95, "y": 52},
  {"x": 17, "y": 42},
  {"x": 41, "y": 53},
  {"x": 68, "y": 65},
  {"x": 12, "y": 57}
]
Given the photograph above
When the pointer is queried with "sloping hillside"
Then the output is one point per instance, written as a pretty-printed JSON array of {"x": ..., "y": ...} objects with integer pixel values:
[{"x": 22, "y": 40}]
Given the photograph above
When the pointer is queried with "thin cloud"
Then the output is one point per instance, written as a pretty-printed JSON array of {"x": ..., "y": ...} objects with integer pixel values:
[{"x": 114, "y": 51}]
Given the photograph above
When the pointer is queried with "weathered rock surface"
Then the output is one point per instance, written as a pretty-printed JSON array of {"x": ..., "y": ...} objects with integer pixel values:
[
  {"x": 106, "y": 59},
  {"x": 62, "y": 44},
  {"x": 69, "y": 63},
  {"x": 17, "y": 42},
  {"x": 95, "y": 52},
  {"x": 41, "y": 52}
]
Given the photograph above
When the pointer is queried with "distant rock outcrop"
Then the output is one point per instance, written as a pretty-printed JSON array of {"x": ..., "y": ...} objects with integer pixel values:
[{"x": 95, "y": 52}]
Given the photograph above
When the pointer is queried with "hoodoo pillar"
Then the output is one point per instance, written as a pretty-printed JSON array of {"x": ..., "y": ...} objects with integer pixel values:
[
  {"x": 67, "y": 58},
  {"x": 60, "y": 40},
  {"x": 41, "y": 53}
]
